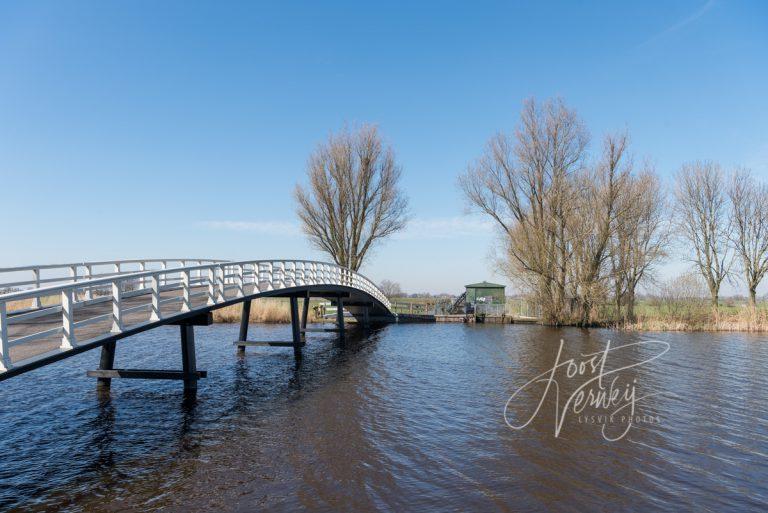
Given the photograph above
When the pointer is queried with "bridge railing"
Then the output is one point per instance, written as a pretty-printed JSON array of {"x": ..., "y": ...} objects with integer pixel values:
[
  {"x": 13, "y": 279},
  {"x": 167, "y": 292}
]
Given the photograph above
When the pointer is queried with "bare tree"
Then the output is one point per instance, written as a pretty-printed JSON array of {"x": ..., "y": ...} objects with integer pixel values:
[
  {"x": 640, "y": 238},
  {"x": 524, "y": 184},
  {"x": 703, "y": 211},
  {"x": 599, "y": 206},
  {"x": 391, "y": 288},
  {"x": 749, "y": 214},
  {"x": 353, "y": 200}
]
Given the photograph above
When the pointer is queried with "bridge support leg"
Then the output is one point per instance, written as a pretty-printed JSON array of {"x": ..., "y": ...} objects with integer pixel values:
[
  {"x": 107, "y": 362},
  {"x": 188, "y": 361},
  {"x": 340, "y": 315},
  {"x": 244, "y": 316},
  {"x": 304, "y": 316},
  {"x": 366, "y": 319},
  {"x": 295, "y": 327}
]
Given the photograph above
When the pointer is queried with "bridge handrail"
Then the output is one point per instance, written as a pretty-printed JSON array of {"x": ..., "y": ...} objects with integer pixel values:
[
  {"x": 73, "y": 270},
  {"x": 216, "y": 278}
]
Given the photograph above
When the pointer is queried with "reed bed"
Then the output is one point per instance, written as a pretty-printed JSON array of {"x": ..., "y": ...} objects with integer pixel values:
[
  {"x": 703, "y": 320},
  {"x": 266, "y": 310}
]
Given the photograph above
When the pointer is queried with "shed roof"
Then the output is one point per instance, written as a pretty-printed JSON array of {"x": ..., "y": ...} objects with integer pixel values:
[{"x": 484, "y": 285}]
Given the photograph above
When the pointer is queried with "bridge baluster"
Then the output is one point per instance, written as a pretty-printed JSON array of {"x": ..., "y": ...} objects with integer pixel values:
[
  {"x": 211, "y": 285},
  {"x": 239, "y": 280},
  {"x": 67, "y": 320},
  {"x": 186, "y": 305},
  {"x": 5, "y": 359},
  {"x": 73, "y": 275},
  {"x": 142, "y": 268},
  {"x": 88, "y": 290},
  {"x": 155, "y": 284},
  {"x": 117, "y": 315},
  {"x": 221, "y": 285}
]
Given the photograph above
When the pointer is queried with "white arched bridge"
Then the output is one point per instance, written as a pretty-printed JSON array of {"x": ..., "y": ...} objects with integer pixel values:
[{"x": 52, "y": 312}]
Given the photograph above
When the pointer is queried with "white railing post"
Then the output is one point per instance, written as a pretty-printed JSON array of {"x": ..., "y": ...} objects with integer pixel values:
[
  {"x": 36, "y": 299},
  {"x": 239, "y": 280},
  {"x": 271, "y": 274},
  {"x": 212, "y": 286},
  {"x": 220, "y": 285},
  {"x": 117, "y": 315},
  {"x": 5, "y": 357},
  {"x": 154, "y": 281},
  {"x": 88, "y": 274},
  {"x": 163, "y": 266},
  {"x": 186, "y": 305},
  {"x": 287, "y": 275},
  {"x": 67, "y": 319},
  {"x": 142, "y": 268}
]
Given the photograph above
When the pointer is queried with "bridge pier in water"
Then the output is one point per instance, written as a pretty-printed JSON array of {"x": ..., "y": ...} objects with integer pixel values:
[
  {"x": 189, "y": 373},
  {"x": 244, "y": 320},
  {"x": 107, "y": 362},
  {"x": 298, "y": 327}
]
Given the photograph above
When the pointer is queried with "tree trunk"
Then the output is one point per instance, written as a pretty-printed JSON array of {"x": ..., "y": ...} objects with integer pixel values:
[
  {"x": 753, "y": 300},
  {"x": 630, "y": 306},
  {"x": 586, "y": 313}
]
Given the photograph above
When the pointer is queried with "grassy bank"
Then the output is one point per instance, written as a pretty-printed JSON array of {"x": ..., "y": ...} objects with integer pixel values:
[
  {"x": 266, "y": 310},
  {"x": 700, "y": 318}
]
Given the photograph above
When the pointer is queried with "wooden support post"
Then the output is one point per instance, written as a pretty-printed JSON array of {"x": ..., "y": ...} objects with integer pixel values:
[
  {"x": 366, "y": 319},
  {"x": 340, "y": 315},
  {"x": 107, "y": 362},
  {"x": 295, "y": 327},
  {"x": 304, "y": 315},
  {"x": 188, "y": 362},
  {"x": 244, "y": 317}
]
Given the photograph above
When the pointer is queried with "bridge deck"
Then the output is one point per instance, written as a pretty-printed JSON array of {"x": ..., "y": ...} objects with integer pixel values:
[
  {"x": 52, "y": 321},
  {"x": 93, "y": 312}
]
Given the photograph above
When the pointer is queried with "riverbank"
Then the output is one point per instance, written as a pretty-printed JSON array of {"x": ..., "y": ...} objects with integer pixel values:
[
  {"x": 743, "y": 321},
  {"x": 265, "y": 310},
  {"x": 671, "y": 317}
]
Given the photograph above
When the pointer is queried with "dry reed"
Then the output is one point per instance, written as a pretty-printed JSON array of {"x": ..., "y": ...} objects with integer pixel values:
[
  {"x": 265, "y": 310},
  {"x": 742, "y": 320}
]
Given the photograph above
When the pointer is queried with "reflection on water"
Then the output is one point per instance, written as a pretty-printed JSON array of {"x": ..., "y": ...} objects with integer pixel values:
[{"x": 408, "y": 418}]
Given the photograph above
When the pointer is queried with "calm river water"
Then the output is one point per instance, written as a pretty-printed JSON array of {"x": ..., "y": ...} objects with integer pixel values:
[{"x": 408, "y": 418}]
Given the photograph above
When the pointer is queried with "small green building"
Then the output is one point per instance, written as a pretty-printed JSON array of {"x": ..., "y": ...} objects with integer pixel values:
[{"x": 492, "y": 292}]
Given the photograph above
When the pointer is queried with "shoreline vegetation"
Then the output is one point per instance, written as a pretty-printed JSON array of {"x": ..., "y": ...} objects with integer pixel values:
[
  {"x": 264, "y": 311},
  {"x": 651, "y": 315}
]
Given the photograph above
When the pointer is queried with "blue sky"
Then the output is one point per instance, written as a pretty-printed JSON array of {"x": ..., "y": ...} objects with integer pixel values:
[{"x": 148, "y": 129}]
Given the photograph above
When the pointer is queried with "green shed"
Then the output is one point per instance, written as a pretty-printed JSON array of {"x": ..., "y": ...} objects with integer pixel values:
[{"x": 492, "y": 292}]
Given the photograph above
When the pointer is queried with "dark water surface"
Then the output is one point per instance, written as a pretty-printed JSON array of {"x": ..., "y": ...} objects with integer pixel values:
[{"x": 409, "y": 418}]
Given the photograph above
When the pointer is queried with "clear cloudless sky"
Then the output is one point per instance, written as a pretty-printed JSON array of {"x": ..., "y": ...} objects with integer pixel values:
[{"x": 147, "y": 129}]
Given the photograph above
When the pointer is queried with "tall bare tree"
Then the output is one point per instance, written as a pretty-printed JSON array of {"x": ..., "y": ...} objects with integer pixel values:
[
  {"x": 524, "y": 184},
  {"x": 353, "y": 200},
  {"x": 640, "y": 238},
  {"x": 749, "y": 215},
  {"x": 599, "y": 206},
  {"x": 703, "y": 221}
]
